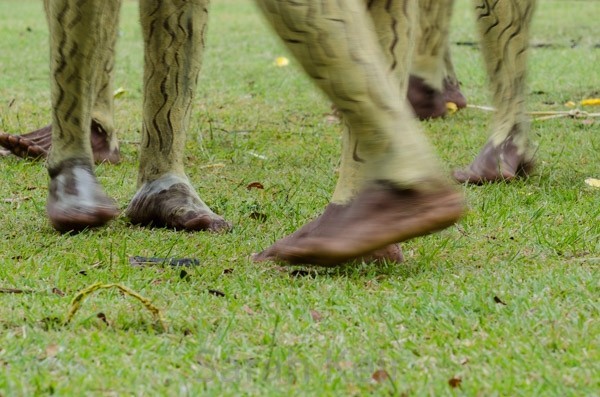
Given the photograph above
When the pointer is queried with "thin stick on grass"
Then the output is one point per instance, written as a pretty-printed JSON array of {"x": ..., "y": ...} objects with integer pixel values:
[{"x": 81, "y": 295}]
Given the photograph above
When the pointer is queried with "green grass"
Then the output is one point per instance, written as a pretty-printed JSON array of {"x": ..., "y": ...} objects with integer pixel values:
[{"x": 507, "y": 301}]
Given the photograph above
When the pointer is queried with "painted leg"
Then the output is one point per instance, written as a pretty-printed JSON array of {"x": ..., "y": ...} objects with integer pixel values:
[
  {"x": 401, "y": 193},
  {"x": 426, "y": 83},
  {"x": 174, "y": 40},
  {"x": 36, "y": 144},
  {"x": 504, "y": 28},
  {"x": 78, "y": 42},
  {"x": 451, "y": 90}
]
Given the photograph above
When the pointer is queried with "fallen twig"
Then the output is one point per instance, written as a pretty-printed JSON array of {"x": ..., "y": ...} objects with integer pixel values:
[
  {"x": 81, "y": 295},
  {"x": 547, "y": 115}
]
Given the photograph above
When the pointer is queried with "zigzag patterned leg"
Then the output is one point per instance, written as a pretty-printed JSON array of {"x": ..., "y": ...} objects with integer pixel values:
[
  {"x": 504, "y": 28},
  {"x": 36, "y": 144},
  {"x": 394, "y": 22},
  {"x": 402, "y": 192},
  {"x": 173, "y": 46},
  {"x": 452, "y": 91},
  {"x": 426, "y": 87},
  {"x": 105, "y": 144},
  {"x": 79, "y": 41}
]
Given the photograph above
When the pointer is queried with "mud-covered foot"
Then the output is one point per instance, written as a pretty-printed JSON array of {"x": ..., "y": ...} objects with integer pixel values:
[
  {"x": 33, "y": 145},
  {"x": 392, "y": 252},
  {"x": 453, "y": 94},
  {"x": 36, "y": 144},
  {"x": 75, "y": 198},
  {"x": 379, "y": 216},
  {"x": 427, "y": 102},
  {"x": 172, "y": 202},
  {"x": 500, "y": 163}
]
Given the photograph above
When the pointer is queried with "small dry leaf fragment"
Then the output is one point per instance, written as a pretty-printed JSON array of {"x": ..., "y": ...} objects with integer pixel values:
[
  {"x": 345, "y": 365},
  {"x": 255, "y": 185},
  {"x": 316, "y": 316},
  {"x": 590, "y": 102},
  {"x": 52, "y": 350},
  {"x": 248, "y": 310},
  {"x": 498, "y": 300},
  {"x": 570, "y": 104},
  {"x": 593, "y": 182},
  {"x": 102, "y": 317},
  {"x": 381, "y": 375},
  {"x": 16, "y": 200},
  {"x": 455, "y": 382},
  {"x": 281, "y": 62},
  {"x": 57, "y": 292}
]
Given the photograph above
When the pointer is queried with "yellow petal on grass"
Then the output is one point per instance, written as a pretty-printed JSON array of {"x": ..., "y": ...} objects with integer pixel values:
[
  {"x": 451, "y": 107},
  {"x": 119, "y": 92},
  {"x": 281, "y": 62},
  {"x": 593, "y": 182},
  {"x": 570, "y": 104},
  {"x": 591, "y": 102}
]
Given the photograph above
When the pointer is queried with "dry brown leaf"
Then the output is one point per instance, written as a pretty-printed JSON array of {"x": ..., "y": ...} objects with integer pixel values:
[
  {"x": 102, "y": 317},
  {"x": 381, "y": 375},
  {"x": 316, "y": 316},
  {"x": 248, "y": 310},
  {"x": 52, "y": 350},
  {"x": 455, "y": 382},
  {"x": 57, "y": 292},
  {"x": 255, "y": 185}
]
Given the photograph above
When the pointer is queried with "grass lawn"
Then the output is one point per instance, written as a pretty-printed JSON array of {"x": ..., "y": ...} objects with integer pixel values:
[{"x": 505, "y": 303}]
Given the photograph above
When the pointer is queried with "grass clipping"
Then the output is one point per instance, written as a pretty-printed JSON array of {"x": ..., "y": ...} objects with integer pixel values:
[{"x": 81, "y": 295}]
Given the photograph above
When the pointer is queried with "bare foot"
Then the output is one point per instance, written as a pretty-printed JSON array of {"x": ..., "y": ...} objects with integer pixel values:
[
  {"x": 379, "y": 216},
  {"x": 496, "y": 164},
  {"x": 32, "y": 145},
  {"x": 75, "y": 199},
  {"x": 173, "y": 203},
  {"x": 453, "y": 94},
  {"x": 427, "y": 102},
  {"x": 392, "y": 252},
  {"x": 36, "y": 144}
]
